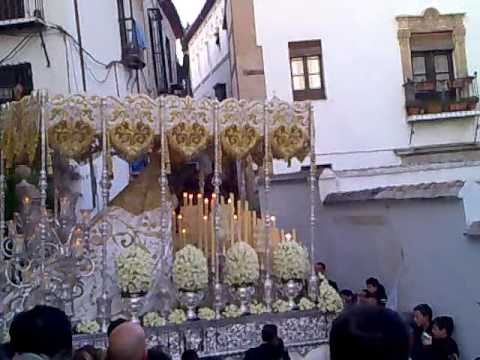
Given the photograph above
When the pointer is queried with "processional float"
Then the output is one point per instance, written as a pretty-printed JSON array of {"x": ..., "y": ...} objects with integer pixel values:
[{"x": 47, "y": 256}]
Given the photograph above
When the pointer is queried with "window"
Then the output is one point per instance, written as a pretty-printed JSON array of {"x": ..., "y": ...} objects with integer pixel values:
[
  {"x": 306, "y": 68},
  {"x": 168, "y": 51},
  {"x": 15, "y": 81},
  {"x": 158, "y": 60}
]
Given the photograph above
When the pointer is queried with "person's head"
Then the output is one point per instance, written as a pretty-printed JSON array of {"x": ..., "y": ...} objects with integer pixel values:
[
  {"x": 422, "y": 315},
  {"x": 43, "y": 330},
  {"x": 372, "y": 285},
  {"x": 367, "y": 332},
  {"x": 127, "y": 342},
  {"x": 88, "y": 352},
  {"x": 158, "y": 353},
  {"x": 442, "y": 327},
  {"x": 321, "y": 268},
  {"x": 347, "y": 296},
  {"x": 113, "y": 324},
  {"x": 190, "y": 355},
  {"x": 269, "y": 333},
  {"x": 362, "y": 296}
]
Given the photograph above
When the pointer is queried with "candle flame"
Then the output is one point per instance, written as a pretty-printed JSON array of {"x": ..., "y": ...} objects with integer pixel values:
[
  {"x": 235, "y": 217},
  {"x": 214, "y": 196},
  {"x": 180, "y": 217},
  {"x": 229, "y": 201},
  {"x": 199, "y": 195},
  {"x": 190, "y": 196},
  {"x": 185, "y": 194},
  {"x": 184, "y": 231},
  {"x": 205, "y": 218},
  {"x": 26, "y": 200},
  {"x": 273, "y": 218},
  {"x": 288, "y": 236},
  {"x": 205, "y": 201}
]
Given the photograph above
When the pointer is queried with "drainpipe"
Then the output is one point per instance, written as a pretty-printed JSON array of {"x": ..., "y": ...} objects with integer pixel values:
[{"x": 80, "y": 44}]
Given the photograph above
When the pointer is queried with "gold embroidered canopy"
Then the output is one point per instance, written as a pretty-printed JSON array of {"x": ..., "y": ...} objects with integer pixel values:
[{"x": 74, "y": 125}]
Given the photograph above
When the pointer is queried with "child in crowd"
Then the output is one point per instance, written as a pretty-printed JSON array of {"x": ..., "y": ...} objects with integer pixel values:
[
  {"x": 421, "y": 338},
  {"x": 443, "y": 346}
]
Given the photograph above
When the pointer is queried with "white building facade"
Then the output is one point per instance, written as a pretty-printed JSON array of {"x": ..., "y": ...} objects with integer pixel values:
[
  {"x": 363, "y": 130},
  {"x": 208, "y": 49},
  {"x": 127, "y": 47}
]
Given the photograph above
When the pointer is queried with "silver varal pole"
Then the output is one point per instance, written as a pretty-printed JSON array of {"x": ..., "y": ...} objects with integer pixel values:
[
  {"x": 165, "y": 208},
  {"x": 43, "y": 193},
  {"x": 268, "y": 282},
  {"x": 104, "y": 302},
  {"x": 313, "y": 280},
  {"x": 218, "y": 288}
]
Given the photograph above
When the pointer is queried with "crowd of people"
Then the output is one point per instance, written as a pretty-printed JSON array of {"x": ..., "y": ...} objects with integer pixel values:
[{"x": 365, "y": 330}]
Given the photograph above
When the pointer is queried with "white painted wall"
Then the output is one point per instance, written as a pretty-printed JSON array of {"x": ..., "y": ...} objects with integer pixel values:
[
  {"x": 363, "y": 117},
  {"x": 209, "y": 62}
]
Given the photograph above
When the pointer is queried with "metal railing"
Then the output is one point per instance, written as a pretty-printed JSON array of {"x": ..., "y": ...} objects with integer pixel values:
[
  {"x": 21, "y": 9},
  {"x": 427, "y": 97}
]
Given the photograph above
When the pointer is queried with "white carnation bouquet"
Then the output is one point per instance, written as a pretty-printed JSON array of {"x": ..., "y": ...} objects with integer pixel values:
[
  {"x": 177, "y": 316},
  {"x": 135, "y": 267},
  {"x": 329, "y": 300},
  {"x": 232, "y": 311},
  {"x": 88, "y": 327},
  {"x": 241, "y": 265},
  {"x": 190, "y": 269},
  {"x": 257, "y": 308},
  {"x": 153, "y": 319},
  {"x": 281, "y": 306},
  {"x": 205, "y": 313},
  {"x": 306, "y": 304},
  {"x": 290, "y": 261}
]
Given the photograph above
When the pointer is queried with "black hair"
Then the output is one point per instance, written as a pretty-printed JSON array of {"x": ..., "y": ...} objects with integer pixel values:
[
  {"x": 445, "y": 323},
  {"x": 346, "y": 292},
  {"x": 373, "y": 281},
  {"x": 190, "y": 355},
  {"x": 269, "y": 333},
  {"x": 367, "y": 332},
  {"x": 425, "y": 310},
  {"x": 89, "y": 349},
  {"x": 157, "y": 353},
  {"x": 42, "y": 330},
  {"x": 113, "y": 324},
  {"x": 322, "y": 264}
]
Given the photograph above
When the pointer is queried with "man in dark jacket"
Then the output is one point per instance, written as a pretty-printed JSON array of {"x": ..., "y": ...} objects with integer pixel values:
[{"x": 272, "y": 347}]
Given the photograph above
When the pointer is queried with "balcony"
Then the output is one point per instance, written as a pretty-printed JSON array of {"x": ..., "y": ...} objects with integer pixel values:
[
  {"x": 17, "y": 14},
  {"x": 441, "y": 100},
  {"x": 133, "y": 44}
]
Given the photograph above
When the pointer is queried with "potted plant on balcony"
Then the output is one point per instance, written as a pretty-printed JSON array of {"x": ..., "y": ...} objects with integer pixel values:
[
  {"x": 414, "y": 107},
  {"x": 459, "y": 83},
  {"x": 434, "y": 106},
  {"x": 458, "y": 105},
  {"x": 472, "y": 102},
  {"x": 424, "y": 86}
]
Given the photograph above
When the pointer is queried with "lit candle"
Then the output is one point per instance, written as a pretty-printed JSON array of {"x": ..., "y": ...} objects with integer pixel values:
[
  {"x": 184, "y": 236},
  {"x": 205, "y": 234},
  {"x": 27, "y": 201},
  {"x": 185, "y": 197},
  {"x": 205, "y": 206},
  {"x": 288, "y": 236},
  {"x": 190, "y": 199}
]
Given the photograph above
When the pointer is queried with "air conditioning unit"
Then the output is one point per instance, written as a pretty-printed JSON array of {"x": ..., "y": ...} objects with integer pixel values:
[{"x": 133, "y": 57}]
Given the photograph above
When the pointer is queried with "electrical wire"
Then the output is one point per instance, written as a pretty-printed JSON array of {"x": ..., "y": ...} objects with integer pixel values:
[{"x": 17, "y": 48}]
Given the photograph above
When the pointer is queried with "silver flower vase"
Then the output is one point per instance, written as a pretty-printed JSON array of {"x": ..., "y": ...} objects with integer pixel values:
[
  {"x": 134, "y": 304},
  {"x": 190, "y": 300},
  {"x": 292, "y": 289},
  {"x": 244, "y": 295}
]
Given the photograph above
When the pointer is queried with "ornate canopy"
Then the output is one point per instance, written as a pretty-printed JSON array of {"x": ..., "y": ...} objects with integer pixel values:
[{"x": 74, "y": 125}]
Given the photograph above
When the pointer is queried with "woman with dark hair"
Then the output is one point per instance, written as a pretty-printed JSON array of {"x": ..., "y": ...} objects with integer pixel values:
[
  {"x": 378, "y": 290},
  {"x": 88, "y": 352}
]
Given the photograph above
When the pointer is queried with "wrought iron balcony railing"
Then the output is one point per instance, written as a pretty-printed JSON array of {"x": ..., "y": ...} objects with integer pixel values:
[
  {"x": 431, "y": 97},
  {"x": 21, "y": 9}
]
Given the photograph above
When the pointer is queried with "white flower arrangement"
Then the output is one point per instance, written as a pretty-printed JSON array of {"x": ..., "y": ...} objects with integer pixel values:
[
  {"x": 88, "y": 327},
  {"x": 134, "y": 270},
  {"x": 306, "y": 304},
  {"x": 290, "y": 261},
  {"x": 257, "y": 308},
  {"x": 329, "y": 300},
  {"x": 177, "y": 316},
  {"x": 232, "y": 311},
  {"x": 241, "y": 265},
  {"x": 205, "y": 313},
  {"x": 153, "y": 319},
  {"x": 190, "y": 269},
  {"x": 4, "y": 336},
  {"x": 281, "y": 306}
]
